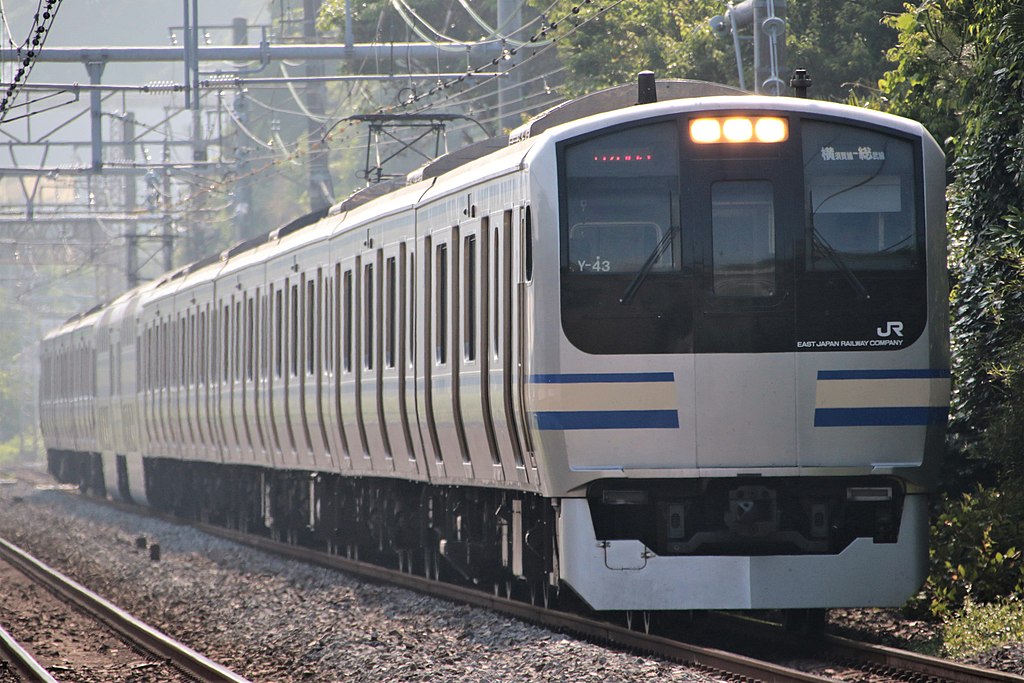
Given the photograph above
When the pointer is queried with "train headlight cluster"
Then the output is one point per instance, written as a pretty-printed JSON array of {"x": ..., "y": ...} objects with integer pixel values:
[{"x": 738, "y": 129}]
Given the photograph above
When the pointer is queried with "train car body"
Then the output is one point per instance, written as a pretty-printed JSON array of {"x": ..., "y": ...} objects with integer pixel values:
[{"x": 691, "y": 354}]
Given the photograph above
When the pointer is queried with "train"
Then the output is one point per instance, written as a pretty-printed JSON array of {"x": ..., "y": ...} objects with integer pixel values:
[{"x": 668, "y": 348}]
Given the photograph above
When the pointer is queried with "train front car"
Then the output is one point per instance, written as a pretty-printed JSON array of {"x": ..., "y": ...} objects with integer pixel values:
[{"x": 740, "y": 391}]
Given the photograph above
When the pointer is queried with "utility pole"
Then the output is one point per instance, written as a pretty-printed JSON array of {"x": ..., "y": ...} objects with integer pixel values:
[
  {"x": 321, "y": 187},
  {"x": 168, "y": 220},
  {"x": 131, "y": 235},
  {"x": 767, "y": 19},
  {"x": 510, "y": 20}
]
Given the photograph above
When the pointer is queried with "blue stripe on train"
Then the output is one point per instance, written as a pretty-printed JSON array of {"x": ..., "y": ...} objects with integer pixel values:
[
  {"x": 883, "y": 374},
  {"x": 603, "y": 378},
  {"x": 879, "y": 417},
  {"x": 607, "y": 419}
]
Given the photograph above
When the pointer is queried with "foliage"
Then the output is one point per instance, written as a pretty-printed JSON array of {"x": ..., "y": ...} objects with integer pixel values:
[
  {"x": 987, "y": 226},
  {"x": 842, "y": 44},
  {"x": 974, "y": 552},
  {"x": 932, "y": 64},
  {"x": 980, "y": 628}
]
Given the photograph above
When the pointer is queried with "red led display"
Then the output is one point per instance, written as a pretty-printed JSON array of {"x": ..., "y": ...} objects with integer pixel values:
[{"x": 624, "y": 157}]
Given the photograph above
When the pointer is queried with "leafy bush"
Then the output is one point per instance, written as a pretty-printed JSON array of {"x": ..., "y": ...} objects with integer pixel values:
[
  {"x": 978, "y": 628},
  {"x": 974, "y": 554}
]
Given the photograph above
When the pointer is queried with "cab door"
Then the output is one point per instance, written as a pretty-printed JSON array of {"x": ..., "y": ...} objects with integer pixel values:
[{"x": 744, "y": 215}]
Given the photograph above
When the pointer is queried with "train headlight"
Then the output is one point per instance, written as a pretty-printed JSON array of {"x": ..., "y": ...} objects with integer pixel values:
[{"x": 739, "y": 129}]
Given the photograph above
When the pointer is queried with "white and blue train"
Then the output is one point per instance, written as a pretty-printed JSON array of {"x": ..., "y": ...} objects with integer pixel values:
[{"x": 686, "y": 354}]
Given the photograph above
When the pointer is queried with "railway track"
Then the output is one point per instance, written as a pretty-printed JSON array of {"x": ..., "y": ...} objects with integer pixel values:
[
  {"x": 856, "y": 660},
  {"x": 844, "y": 659},
  {"x": 21, "y": 663},
  {"x": 168, "y": 659},
  {"x": 737, "y": 648}
]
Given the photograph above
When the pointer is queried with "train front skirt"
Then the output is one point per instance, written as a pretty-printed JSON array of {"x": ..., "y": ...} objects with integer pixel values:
[{"x": 625, "y": 575}]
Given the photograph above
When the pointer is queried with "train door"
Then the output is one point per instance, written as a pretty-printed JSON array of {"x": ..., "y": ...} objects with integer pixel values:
[
  {"x": 743, "y": 314},
  {"x": 312, "y": 362},
  {"x": 280, "y": 428},
  {"x": 370, "y": 404},
  {"x": 333, "y": 368},
  {"x": 259, "y": 451},
  {"x": 470, "y": 356},
  {"x": 445, "y": 343},
  {"x": 330, "y": 430},
  {"x": 227, "y": 390},
  {"x": 291, "y": 386},
  {"x": 191, "y": 384},
  {"x": 393, "y": 375},
  {"x": 522, "y": 315},
  {"x": 500, "y": 375},
  {"x": 348, "y": 397}
]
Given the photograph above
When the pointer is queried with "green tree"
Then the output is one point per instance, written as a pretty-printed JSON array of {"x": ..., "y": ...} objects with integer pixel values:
[
  {"x": 959, "y": 67},
  {"x": 842, "y": 44}
]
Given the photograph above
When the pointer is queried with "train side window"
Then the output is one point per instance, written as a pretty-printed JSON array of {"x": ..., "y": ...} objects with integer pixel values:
[
  {"x": 496, "y": 285},
  {"x": 225, "y": 345},
  {"x": 391, "y": 312},
  {"x": 202, "y": 348},
  {"x": 347, "y": 319},
  {"x": 469, "y": 315},
  {"x": 278, "y": 333},
  {"x": 528, "y": 245},
  {"x": 743, "y": 238},
  {"x": 311, "y": 317},
  {"x": 411, "y": 311},
  {"x": 237, "y": 341},
  {"x": 293, "y": 337},
  {"x": 441, "y": 298},
  {"x": 250, "y": 338},
  {"x": 328, "y": 323},
  {"x": 368, "y": 318},
  {"x": 181, "y": 355}
]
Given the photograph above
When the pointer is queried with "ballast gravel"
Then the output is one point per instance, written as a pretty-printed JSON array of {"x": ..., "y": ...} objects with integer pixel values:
[{"x": 271, "y": 619}]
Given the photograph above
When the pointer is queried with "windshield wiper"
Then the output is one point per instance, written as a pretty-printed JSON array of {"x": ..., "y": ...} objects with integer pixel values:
[
  {"x": 645, "y": 269},
  {"x": 818, "y": 240}
]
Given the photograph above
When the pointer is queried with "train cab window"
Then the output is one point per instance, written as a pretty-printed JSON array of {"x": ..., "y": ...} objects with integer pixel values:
[
  {"x": 859, "y": 196},
  {"x": 624, "y": 288},
  {"x": 743, "y": 238}
]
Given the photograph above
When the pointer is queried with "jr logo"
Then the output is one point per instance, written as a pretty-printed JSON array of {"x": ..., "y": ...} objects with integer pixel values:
[{"x": 892, "y": 327}]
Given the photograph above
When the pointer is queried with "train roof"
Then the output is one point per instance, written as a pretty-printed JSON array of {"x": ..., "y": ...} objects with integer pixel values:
[{"x": 602, "y": 107}]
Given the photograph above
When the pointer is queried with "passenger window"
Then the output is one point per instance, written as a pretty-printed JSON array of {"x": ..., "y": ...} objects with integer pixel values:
[{"x": 743, "y": 238}]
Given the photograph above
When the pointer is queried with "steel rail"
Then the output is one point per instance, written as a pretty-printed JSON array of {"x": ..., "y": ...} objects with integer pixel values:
[
  {"x": 706, "y": 657},
  {"x": 904, "y": 660},
  {"x": 856, "y": 654},
  {"x": 866, "y": 656},
  {"x": 150, "y": 639},
  {"x": 24, "y": 663}
]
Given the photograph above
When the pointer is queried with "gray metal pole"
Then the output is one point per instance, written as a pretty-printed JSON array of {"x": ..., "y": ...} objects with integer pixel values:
[
  {"x": 95, "y": 69},
  {"x": 131, "y": 237},
  {"x": 769, "y": 46},
  {"x": 510, "y": 20},
  {"x": 321, "y": 186}
]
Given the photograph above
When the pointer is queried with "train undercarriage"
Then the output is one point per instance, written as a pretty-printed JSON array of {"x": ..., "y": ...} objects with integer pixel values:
[{"x": 489, "y": 538}]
